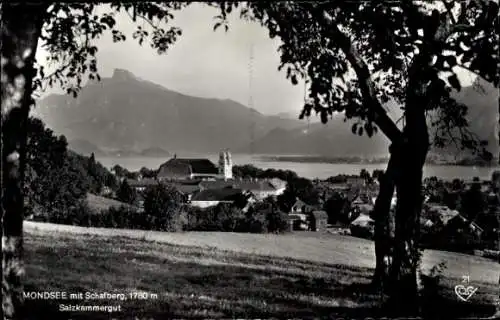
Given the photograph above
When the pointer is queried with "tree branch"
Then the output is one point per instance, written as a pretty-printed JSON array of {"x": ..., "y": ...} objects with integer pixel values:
[
  {"x": 370, "y": 100},
  {"x": 448, "y": 7},
  {"x": 140, "y": 16}
]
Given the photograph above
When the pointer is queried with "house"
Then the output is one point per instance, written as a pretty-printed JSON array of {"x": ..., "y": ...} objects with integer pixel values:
[
  {"x": 355, "y": 181},
  {"x": 261, "y": 189},
  {"x": 318, "y": 220},
  {"x": 141, "y": 185},
  {"x": 186, "y": 188},
  {"x": 300, "y": 207},
  {"x": 364, "y": 208},
  {"x": 298, "y": 221},
  {"x": 339, "y": 187},
  {"x": 363, "y": 227},
  {"x": 450, "y": 230},
  {"x": 279, "y": 185},
  {"x": 213, "y": 197},
  {"x": 475, "y": 228},
  {"x": 441, "y": 215}
]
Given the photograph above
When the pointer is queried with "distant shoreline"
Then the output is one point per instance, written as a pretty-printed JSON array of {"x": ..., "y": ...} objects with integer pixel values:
[{"x": 359, "y": 160}]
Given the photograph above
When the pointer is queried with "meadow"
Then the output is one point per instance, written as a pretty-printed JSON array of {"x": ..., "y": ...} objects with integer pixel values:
[{"x": 229, "y": 275}]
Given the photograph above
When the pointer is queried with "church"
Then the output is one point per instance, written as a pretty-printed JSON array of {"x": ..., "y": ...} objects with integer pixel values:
[{"x": 196, "y": 169}]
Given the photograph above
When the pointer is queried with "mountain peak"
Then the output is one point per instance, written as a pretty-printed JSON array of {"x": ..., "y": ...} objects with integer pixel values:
[{"x": 122, "y": 74}]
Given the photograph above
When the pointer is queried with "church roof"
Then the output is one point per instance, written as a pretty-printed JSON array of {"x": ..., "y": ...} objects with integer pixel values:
[{"x": 185, "y": 167}]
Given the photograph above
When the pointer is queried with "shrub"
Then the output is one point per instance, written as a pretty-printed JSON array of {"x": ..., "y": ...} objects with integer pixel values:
[
  {"x": 79, "y": 214},
  {"x": 430, "y": 288},
  {"x": 163, "y": 205},
  {"x": 229, "y": 218},
  {"x": 256, "y": 223},
  {"x": 222, "y": 217},
  {"x": 277, "y": 221}
]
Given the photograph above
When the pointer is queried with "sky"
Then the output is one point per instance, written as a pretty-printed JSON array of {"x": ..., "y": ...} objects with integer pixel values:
[{"x": 209, "y": 64}]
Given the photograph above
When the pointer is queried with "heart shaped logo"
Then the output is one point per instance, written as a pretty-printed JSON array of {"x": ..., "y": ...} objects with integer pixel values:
[{"x": 464, "y": 293}]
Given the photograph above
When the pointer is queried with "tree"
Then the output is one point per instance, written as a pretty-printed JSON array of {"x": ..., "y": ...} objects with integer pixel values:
[
  {"x": 55, "y": 184},
  {"x": 163, "y": 205},
  {"x": 147, "y": 173},
  {"x": 119, "y": 171},
  {"x": 300, "y": 188},
  {"x": 337, "y": 207},
  {"x": 125, "y": 193},
  {"x": 365, "y": 175},
  {"x": 377, "y": 174},
  {"x": 473, "y": 202},
  {"x": 495, "y": 180}
]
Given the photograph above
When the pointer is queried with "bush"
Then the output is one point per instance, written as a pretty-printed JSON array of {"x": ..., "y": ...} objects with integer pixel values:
[
  {"x": 222, "y": 217},
  {"x": 277, "y": 221},
  {"x": 163, "y": 206},
  {"x": 228, "y": 218},
  {"x": 430, "y": 288},
  {"x": 78, "y": 215},
  {"x": 256, "y": 223}
]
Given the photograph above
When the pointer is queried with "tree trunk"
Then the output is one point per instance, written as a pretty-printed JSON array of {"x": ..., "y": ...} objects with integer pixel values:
[
  {"x": 20, "y": 29},
  {"x": 381, "y": 215},
  {"x": 403, "y": 274}
]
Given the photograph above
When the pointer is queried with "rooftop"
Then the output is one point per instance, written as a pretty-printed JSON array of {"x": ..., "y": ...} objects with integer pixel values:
[
  {"x": 186, "y": 167},
  {"x": 217, "y": 195},
  {"x": 260, "y": 185},
  {"x": 142, "y": 183}
]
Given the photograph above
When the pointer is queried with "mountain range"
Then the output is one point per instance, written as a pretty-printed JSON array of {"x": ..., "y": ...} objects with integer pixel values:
[{"x": 129, "y": 116}]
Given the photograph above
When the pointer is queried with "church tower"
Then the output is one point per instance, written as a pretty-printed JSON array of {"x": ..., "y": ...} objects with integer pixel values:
[{"x": 225, "y": 165}]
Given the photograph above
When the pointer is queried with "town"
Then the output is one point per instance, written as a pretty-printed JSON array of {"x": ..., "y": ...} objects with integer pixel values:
[{"x": 457, "y": 215}]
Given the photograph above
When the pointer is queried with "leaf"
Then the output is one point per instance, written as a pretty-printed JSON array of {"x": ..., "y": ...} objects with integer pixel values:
[
  {"x": 324, "y": 117},
  {"x": 369, "y": 129},
  {"x": 360, "y": 131},
  {"x": 217, "y": 25},
  {"x": 294, "y": 80},
  {"x": 454, "y": 82},
  {"x": 451, "y": 60},
  {"x": 354, "y": 128}
]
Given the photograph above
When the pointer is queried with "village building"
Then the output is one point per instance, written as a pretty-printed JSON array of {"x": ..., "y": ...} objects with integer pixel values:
[
  {"x": 213, "y": 197},
  {"x": 184, "y": 169},
  {"x": 261, "y": 189},
  {"x": 355, "y": 181},
  {"x": 298, "y": 217},
  {"x": 363, "y": 227},
  {"x": 318, "y": 221},
  {"x": 201, "y": 169},
  {"x": 300, "y": 207},
  {"x": 141, "y": 185},
  {"x": 450, "y": 228}
]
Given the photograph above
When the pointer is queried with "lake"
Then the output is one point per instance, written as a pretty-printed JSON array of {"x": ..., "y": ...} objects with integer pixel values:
[{"x": 306, "y": 170}]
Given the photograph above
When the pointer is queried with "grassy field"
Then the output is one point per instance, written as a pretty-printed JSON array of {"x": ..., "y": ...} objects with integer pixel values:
[
  {"x": 99, "y": 203},
  {"x": 226, "y": 275}
]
